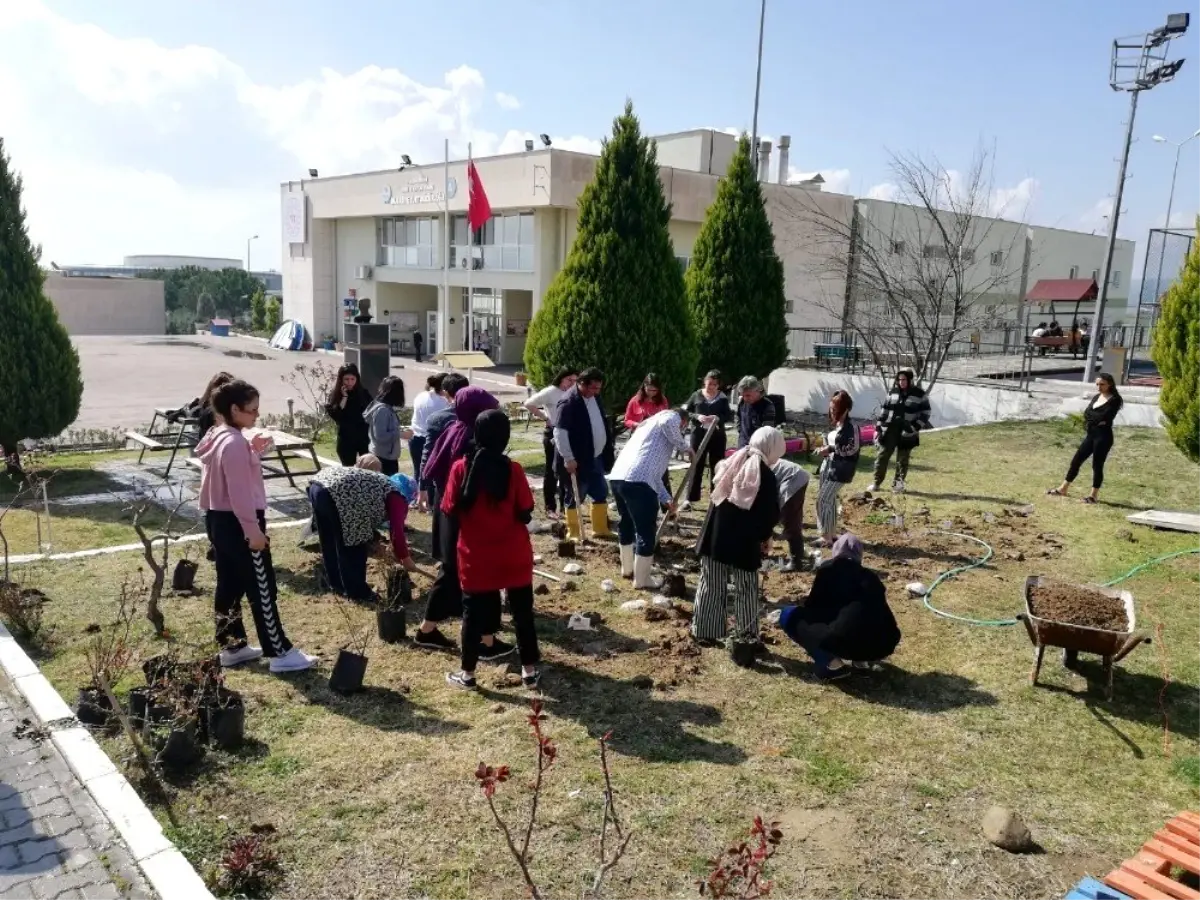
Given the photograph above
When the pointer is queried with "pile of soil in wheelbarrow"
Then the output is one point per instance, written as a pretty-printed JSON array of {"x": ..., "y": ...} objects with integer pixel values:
[{"x": 1077, "y": 605}]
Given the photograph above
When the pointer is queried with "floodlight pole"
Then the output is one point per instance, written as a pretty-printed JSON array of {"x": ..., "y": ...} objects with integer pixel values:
[{"x": 762, "y": 20}]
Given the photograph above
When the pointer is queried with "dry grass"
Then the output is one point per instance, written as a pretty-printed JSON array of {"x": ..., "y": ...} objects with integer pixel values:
[{"x": 880, "y": 784}]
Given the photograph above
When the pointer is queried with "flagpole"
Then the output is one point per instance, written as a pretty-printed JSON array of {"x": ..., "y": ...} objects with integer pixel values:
[
  {"x": 444, "y": 306},
  {"x": 470, "y": 317}
]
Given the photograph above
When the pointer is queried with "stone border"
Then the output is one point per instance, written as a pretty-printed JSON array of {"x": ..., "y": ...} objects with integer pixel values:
[{"x": 164, "y": 867}]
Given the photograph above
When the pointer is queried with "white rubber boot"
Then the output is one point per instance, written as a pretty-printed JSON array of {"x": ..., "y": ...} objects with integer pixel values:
[
  {"x": 642, "y": 577},
  {"x": 626, "y": 560}
]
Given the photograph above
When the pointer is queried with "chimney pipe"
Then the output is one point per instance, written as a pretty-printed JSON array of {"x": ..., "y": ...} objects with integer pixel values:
[
  {"x": 764, "y": 159},
  {"x": 785, "y": 144}
]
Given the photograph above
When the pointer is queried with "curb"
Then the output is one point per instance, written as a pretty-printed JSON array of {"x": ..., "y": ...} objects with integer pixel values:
[{"x": 164, "y": 867}]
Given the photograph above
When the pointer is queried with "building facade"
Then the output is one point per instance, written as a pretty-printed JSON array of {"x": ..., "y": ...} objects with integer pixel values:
[
  {"x": 106, "y": 305},
  {"x": 388, "y": 236},
  {"x": 136, "y": 266}
]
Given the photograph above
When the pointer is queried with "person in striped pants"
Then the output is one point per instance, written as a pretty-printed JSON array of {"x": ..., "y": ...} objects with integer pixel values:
[
  {"x": 743, "y": 512},
  {"x": 839, "y": 462}
]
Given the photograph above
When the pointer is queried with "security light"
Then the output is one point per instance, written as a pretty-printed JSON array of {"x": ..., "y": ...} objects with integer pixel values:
[
  {"x": 312, "y": 173},
  {"x": 1162, "y": 73},
  {"x": 529, "y": 145},
  {"x": 545, "y": 139},
  {"x": 1177, "y": 23},
  {"x": 406, "y": 159}
]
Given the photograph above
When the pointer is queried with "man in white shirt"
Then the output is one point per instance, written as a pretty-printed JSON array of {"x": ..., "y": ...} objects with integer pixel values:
[{"x": 544, "y": 405}]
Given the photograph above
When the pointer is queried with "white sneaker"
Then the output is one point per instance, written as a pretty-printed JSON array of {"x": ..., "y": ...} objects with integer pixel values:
[
  {"x": 685, "y": 506},
  {"x": 873, "y": 489},
  {"x": 231, "y": 658},
  {"x": 898, "y": 486},
  {"x": 295, "y": 660}
]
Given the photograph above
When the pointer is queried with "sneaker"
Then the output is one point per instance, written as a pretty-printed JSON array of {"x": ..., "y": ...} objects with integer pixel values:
[
  {"x": 873, "y": 488},
  {"x": 532, "y": 680},
  {"x": 433, "y": 640},
  {"x": 231, "y": 658},
  {"x": 860, "y": 664},
  {"x": 685, "y": 506},
  {"x": 835, "y": 671},
  {"x": 295, "y": 660},
  {"x": 498, "y": 650},
  {"x": 898, "y": 486},
  {"x": 461, "y": 680}
]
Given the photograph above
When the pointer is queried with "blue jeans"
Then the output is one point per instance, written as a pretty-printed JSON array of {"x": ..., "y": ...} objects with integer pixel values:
[
  {"x": 591, "y": 482},
  {"x": 345, "y": 566},
  {"x": 637, "y": 503},
  {"x": 821, "y": 658}
]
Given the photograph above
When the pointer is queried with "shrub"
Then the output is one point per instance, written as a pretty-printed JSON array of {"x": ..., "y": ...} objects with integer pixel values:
[
  {"x": 1176, "y": 351},
  {"x": 274, "y": 314},
  {"x": 258, "y": 311}
]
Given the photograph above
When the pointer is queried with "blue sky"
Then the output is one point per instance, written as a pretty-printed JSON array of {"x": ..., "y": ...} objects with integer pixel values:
[{"x": 152, "y": 127}]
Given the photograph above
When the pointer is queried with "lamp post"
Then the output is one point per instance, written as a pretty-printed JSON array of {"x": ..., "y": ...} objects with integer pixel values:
[
  {"x": 1178, "y": 145},
  {"x": 762, "y": 21},
  {"x": 248, "y": 240},
  {"x": 1139, "y": 63}
]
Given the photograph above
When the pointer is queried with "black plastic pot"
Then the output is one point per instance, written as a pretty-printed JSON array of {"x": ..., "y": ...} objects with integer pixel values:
[
  {"x": 392, "y": 624},
  {"x": 157, "y": 713},
  {"x": 184, "y": 576},
  {"x": 92, "y": 707},
  {"x": 139, "y": 702},
  {"x": 348, "y": 672},
  {"x": 181, "y": 748},
  {"x": 158, "y": 669},
  {"x": 226, "y": 721}
]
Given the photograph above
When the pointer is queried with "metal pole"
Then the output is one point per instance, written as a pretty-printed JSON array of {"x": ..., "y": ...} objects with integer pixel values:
[
  {"x": 762, "y": 19},
  {"x": 1162, "y": 250},
  {"x": 1114, "y": 219},
  {"x": 470, "y": 317},
  {"x": 444, "y": 310}
]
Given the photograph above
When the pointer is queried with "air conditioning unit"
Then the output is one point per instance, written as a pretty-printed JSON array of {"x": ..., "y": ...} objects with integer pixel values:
[{"x": 363, "y": 273}]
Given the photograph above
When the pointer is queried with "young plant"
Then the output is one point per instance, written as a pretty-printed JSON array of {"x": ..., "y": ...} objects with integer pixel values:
[
  {"x": 738, "y": 872},
  {"x": 358, "y": 634},
  {"x": 249, "y": 865},
  {"x": 157, "y": 561},
  {"x": 21, "y": 611},
  {"x": 112, "y": 648},
  {"x": 490, "y": 777},
  {"x": 312, "y": 382}
]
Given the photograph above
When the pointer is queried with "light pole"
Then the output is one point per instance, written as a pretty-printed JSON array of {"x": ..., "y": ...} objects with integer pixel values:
[
  {"x": 1139, "y": 63},
  {"x": 1178, "y": 145},
  {"x": 253, "y": 237},
  {"x": 762, "y": 21}
]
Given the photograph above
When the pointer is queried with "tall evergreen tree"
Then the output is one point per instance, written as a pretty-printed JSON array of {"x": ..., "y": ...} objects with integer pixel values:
[
  {"x": 735, "y": 279},
  {"x": 1176, "y": 351},
  {"x": 618, "y": 302},
  {"x": 40, "y": 386}
]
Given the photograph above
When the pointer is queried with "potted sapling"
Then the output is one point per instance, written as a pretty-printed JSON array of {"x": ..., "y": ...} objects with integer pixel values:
[
  {"x": 391, "y": 617},
  {"x": 109, "y": 653},
  {"x": 351, "y": 664},
  {"x": 183, "y": 578}
]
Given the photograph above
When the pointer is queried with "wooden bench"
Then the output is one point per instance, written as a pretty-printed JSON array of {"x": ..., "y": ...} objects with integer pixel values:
[
  {"x": 1147, "y": 876},
  {"x": 148, "y": 443},
  {"x": 284, "y": 447}
]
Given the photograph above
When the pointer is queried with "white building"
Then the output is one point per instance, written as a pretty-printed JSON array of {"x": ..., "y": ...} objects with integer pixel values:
[{"x": 380, "y": 235}]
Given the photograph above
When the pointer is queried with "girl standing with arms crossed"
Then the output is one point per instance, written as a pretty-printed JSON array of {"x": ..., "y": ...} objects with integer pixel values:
[{"x": 839, "y": 462}]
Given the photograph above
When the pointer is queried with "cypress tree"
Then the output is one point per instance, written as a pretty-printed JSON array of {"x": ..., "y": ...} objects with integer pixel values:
[
  {"x": 40, "y": 385},
  {"x": 1176, "y": 352},
  {"x": 735, "y": 280},
  {"x": 618, "y": 302}
]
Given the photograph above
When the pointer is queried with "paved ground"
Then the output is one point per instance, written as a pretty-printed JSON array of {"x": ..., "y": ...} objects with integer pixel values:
[
  {"x": 54, "y": 841},
  {"x": 125, "y": 378}
]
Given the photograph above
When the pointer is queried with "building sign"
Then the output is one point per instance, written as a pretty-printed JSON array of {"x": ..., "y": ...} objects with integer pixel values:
[
  {"x": 294, "y": 219},
  {"x": 419, "y": 190}
]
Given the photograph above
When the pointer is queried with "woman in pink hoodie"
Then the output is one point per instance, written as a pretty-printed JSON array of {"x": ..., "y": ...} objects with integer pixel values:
[{"x": 234, "y": 500}]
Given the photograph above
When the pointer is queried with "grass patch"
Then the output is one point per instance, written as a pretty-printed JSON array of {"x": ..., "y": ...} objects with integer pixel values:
[
  {"x": 373, "y": 795},
  {"x": 71, "y": 528}
]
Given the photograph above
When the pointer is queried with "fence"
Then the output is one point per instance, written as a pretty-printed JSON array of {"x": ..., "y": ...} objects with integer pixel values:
[{"x": 1166, "y": 253}]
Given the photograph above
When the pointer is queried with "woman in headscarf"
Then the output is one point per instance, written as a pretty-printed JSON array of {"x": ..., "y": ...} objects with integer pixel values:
[
  {"x": 743, "y": 511},
  {"x": 451, "y": 445},
  {"x": 488, "y": 497},
  {"x": 349, "y": 503},
  {"x": 845, "y": 621}
]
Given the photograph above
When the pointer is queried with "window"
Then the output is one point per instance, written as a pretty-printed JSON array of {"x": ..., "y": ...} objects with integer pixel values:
[
  {"x": 1115, "y": 281},
  {"x": 997, "y": 258},
  {"x": 789, "y": 307},
  {"x": 1074, "y": 273},
  {"x": 967, "y": 255},
  {"x": 1096, "y": 275},
  {"x": 410, "y": 241},
  {"x": 897, "y": 248},
  {"x": 935, "y": 251},
  {"x": 505, "y": 242}
]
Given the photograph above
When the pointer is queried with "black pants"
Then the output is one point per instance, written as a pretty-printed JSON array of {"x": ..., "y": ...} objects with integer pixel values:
[
  {"x": 713, "y": 454},
  {"x": 345, "y": 566},
  {"x": 389, "y": 467},
  {"x": 350, "y": 447},
  {"x": 445, "y": 597},
  {"x": 242, "y": 572},
  {"x": 1096, "y": 444},
  {"x": 550, "y": 479},
  {"x": 481, "y": 615}
]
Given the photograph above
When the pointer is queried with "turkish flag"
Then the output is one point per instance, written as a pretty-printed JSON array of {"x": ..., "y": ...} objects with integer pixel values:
[{"x": 478, "y": 208}]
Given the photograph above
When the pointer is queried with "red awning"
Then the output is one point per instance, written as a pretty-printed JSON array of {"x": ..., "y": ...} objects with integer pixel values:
[{"x": 1063, "y": 290}]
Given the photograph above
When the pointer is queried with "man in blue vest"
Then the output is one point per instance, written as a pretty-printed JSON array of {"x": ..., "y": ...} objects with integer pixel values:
[{"x": 584, "y": 441}]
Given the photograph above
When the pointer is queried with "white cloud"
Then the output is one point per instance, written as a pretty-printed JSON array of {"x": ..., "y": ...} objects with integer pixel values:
[
  {"x": 837, "y": 181},
  {"x": 127, "y": 146},
  {"x": 885, "y": 191},
  {"x": 507, "y": 101}
]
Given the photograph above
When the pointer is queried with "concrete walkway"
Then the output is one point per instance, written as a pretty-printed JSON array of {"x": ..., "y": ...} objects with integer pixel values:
[{"x": 54, "y": 842}]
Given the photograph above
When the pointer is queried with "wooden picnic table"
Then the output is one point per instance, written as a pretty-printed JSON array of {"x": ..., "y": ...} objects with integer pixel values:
[
  {"x": 170, "y": 436},
  {"x": 285, "y": 448}
]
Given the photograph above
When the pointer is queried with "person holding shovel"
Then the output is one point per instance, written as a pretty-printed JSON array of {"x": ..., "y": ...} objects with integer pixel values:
[
  {"x": 544, "y": 405},
  {"x": 349, "y": 503},
  {"x": 708, "y": 408},
  {"x": 755, "y": 411},
  {"x": 584, "y": 440},
  {"x": 793, "y": 485},
  {"x": 637, "y": 485}
]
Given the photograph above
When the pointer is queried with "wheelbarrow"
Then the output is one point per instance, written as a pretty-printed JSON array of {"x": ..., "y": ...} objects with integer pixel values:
[{"x": 1110, "y": 646}]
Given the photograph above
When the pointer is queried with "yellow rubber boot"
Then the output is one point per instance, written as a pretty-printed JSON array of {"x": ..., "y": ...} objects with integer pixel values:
[
  {"x": 573, "y": 533},
  {"x": 600, "y": 520}
]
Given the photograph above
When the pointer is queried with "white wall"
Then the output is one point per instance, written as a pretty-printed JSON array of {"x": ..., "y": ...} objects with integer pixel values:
[{"x": 952, "y": 403}]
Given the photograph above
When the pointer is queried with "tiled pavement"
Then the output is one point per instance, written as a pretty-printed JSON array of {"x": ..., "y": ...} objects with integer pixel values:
[{"x": 54, "y": 841}]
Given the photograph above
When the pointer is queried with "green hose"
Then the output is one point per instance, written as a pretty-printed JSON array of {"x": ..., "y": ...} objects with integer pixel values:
[{"x": 1000, "y": 623}]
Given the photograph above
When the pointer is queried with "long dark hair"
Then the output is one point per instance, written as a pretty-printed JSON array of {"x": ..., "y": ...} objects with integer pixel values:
[
  {"x": 1112, "y": 389},
  {"x": 391, "y": 391},
  {"x": 231, "y": 394},
  {"x": 840, "y": 405},
  {"x": 335, "y": 393},
  {"x": 218, "y": 380},
  {"x": 653, "y": 381}
]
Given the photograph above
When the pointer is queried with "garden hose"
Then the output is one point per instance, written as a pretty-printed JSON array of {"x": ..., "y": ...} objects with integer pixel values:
[{"x": 1000, "y": 623}]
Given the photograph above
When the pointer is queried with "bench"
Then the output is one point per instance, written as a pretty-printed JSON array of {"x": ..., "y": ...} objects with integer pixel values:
[
  {"x": 148, "y": 443},
  {"x": 849, "y": 355}
]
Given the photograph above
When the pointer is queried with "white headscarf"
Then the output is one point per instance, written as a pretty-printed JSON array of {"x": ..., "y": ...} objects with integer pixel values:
[{"x": 738, "y": 478}]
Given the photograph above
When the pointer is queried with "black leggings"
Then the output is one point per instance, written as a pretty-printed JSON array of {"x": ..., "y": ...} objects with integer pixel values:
[
  {"x": 481, "y": 615},
  {"x": 445, "y": 597},
  {"x": 1096, "y": 443},
  {"x": 713, "y": 454},
  {"x": 550, "y": 478},
  {"x": 242, "y": 572}
]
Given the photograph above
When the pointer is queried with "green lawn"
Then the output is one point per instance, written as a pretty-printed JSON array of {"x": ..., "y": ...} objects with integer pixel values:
[{"x": 879, "y": 784}]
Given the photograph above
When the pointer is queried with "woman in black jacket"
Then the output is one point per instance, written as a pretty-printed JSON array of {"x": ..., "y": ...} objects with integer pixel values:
[
  {"x": 743, "y": 512},
  {"x": 845, "y": 619},
  {"x": 347, "y": 402},
  {"x": 1097, "y": 439},
  {"x": 708, "y": 407}
]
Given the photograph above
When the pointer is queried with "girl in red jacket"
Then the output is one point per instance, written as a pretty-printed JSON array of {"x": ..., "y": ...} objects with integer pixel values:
[{"x": 489, "y": 496}]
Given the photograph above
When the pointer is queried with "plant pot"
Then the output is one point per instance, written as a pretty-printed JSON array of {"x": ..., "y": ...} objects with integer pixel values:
[
  {"x": 328, "y": 345},
  {"x": 181, "y": 748},
  {"x": 392, "y": 625},
  {"x": 226, "y": 721},
  {"x": 158, "y": 669},
  {"x": 92, "y": 707},
  {"x": 521, "y": 379},
  {"x": 348, "y": 672},
  {"x": 184, "y": 576},
  {"x": 158, "y": 712},
  {"x": 139, "y": 703}
]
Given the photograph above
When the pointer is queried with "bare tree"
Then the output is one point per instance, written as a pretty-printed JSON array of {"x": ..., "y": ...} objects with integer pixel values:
[
  {"x": 156, "y": 560},
  {"x": 927, "y": 276}
]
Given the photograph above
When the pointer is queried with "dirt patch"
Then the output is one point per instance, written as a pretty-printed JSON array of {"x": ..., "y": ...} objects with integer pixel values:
[
  {"x": 1076, "y": 605},
  {"x": 818, "y": 841}
]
